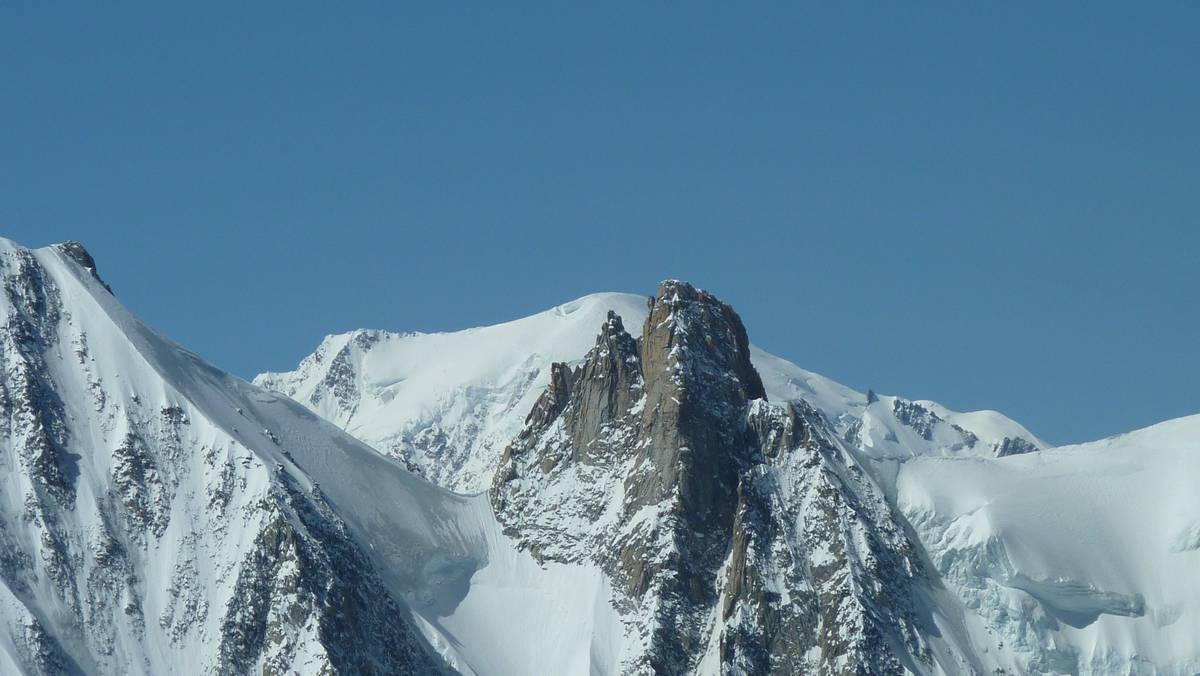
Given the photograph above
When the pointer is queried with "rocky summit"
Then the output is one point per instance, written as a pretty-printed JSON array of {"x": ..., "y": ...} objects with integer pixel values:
[
  {"x": 613, "y": 486},
  {"x": 741, "y": 536}
]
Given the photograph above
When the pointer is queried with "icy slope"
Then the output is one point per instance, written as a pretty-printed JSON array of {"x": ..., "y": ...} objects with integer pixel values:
[
  {"x": 1082, "y": 559},
  {"x": 160, "y": 516},
  {"x": 446, "y": 404}
]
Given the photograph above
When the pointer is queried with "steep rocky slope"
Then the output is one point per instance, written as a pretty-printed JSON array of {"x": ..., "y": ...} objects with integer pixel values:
[
  {"x": 741, "y": 537},
  {"x": 154, "y": 515}
]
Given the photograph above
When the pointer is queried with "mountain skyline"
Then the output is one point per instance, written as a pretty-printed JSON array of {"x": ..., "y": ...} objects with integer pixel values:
[
  {"x": 990, "y": 208},
  {"x": 673, "y": 501},
  {"x": 1035, "y": 399},
  {"x": 623, "y": 339}
]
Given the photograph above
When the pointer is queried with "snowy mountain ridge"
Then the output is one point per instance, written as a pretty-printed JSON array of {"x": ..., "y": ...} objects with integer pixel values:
[
  {"x": 725, "y": 523},
  {"x": 447, "y": 404},
  {"x": 160, "y": 516},
  {"x": 670, "y": 500},
  {"x": 151, "y": 516},
  {"x": 1012, "y": 626}
]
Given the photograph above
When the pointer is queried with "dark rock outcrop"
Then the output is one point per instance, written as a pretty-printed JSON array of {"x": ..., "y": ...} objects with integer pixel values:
[
  {"x": 135, "y": 534},
  {"x": 76, "y": 252},
  {"x": 1013, "y": 446},
  {"x": 736, "y": 532}
]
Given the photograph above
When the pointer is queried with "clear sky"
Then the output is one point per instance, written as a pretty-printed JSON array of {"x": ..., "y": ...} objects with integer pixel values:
[{"x": 990, "y": 206}]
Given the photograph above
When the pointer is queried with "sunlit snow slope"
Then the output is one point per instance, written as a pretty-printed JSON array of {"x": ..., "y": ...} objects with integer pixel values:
[
  {"x": 160, "y": 516},
  {"x": 1081, "y": 559},
  {"x": 448, "y": 403},
  {"x": 1069, "y": 560}
]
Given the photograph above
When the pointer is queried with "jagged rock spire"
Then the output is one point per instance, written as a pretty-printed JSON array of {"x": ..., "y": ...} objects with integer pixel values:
[
  {"x": 684, "y": 318},
  {"x": 660, "y": 460},
  {"x": 696, "y": 364},
  {"x": 660, "y": 421}
]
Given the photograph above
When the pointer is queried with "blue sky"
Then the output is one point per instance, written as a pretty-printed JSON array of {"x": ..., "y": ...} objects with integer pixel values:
[{"x": 994, "y": 207}]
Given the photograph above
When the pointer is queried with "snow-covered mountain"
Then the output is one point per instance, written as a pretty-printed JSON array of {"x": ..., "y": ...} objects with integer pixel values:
[
  {"x": 640, "y": 491},
  {"x": 740, "y": 537},
  {"x": 994, "y": 602},
  {"x": 160, "y": 516},
  {"x": 447, "y": 404},
  {"x": 1079, "y": 559}
]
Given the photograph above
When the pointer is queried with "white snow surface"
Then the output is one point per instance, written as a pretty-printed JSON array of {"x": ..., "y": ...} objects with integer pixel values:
[
  {"x": 1079, "y": 559},
  {"x": 448, "y": 403},
  {"x": 482, "y": 604},
  {"x": 1082, "y": 559},
  {"x": 1070, "y": 560}
]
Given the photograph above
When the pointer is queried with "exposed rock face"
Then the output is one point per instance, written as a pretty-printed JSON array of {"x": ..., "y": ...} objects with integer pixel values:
[
  {"x": 138, "y": 537},
  {"x": 159, "y": 516},
  {"x": 75, "y": 251},
  {"x": 1013, "y": 446},
  {"x": 306, "y": 594},
  {"x": 742, "y": 536},
  {"x": 921, "y": 419}
]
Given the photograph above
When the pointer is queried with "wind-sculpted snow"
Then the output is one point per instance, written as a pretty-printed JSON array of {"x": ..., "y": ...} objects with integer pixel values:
[{"x": 1073, "y": 556}]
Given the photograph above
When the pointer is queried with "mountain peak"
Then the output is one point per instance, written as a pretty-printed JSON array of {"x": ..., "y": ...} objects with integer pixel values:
[
  {"x": 650, "y": 461},
  {"x": 654, "y": 513},
  {"x": 75, "y": 251},
  {"x": 155, "y": 517},
  {"x": 685, "y": 319}
]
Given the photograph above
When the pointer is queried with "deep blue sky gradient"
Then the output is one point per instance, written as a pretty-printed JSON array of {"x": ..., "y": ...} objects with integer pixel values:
[{"x": 993, "y": 207}]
